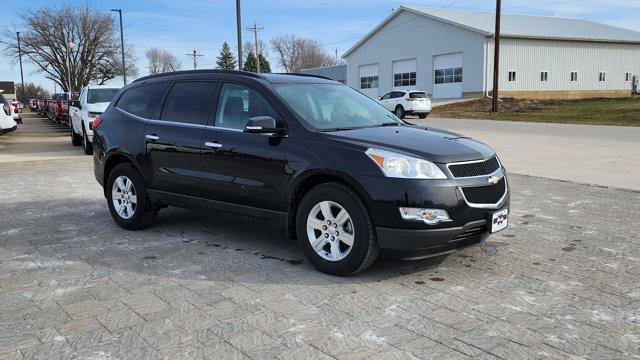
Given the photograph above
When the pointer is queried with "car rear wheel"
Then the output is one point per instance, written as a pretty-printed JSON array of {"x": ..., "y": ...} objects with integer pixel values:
[
  {"x": 335, "y": 230},
  {"x": 423, "y": 116},
  {"x": 127, "y": 198},
  {"x": 86, "y": 144},
  {"x": 76, "y": 139},
  {"x": 399, "y": 112}
]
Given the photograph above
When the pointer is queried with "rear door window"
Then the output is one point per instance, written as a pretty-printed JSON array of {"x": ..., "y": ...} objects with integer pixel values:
[
  {"x": 189, "y": 102},
  {"x": 142, "y": 100}
]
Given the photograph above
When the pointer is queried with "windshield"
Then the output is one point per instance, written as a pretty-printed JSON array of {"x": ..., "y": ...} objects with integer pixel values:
[
  {"x": 327, "y": 107},
  {"x": 101, "y": 95}
]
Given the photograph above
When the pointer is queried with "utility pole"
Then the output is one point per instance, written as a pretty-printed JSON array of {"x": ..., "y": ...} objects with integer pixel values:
[
  {"x": 124, "y": 73},
  {"x": 496, "y": 58},
  {"x": 70, "y": 46},
  {"x": 255, "y": 30},
  {"x": 195, "y": 57},
  {"x": 20, "y": 59},
  {"x": 239, "y": 31},
  {"x": 336, "y": 55}
]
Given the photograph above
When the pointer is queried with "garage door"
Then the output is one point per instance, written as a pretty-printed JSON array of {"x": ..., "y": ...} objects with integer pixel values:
[
  {"x": 369, "y": 80},
  {"x": 404, "y": 74},
  {"x": 447, "y": 79}
]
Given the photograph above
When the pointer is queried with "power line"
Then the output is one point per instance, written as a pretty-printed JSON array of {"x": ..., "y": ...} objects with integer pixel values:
[
  {"x": 255, "y": 30},
  {"x": 195, "y": 56}
]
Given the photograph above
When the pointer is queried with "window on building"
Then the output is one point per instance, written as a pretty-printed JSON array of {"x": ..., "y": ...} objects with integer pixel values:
[
  {"x": 574, "y": 76},
  {"x": 627, "y": 77},
  {"x": 512, "y": 76},
  {"x": 544, "y": 76},
  {"x": 404, "y": 79},
  {"x": 601, "y": 76},
  {"x": 368, "y": 82},
  {"x": 446, "y": 76}
]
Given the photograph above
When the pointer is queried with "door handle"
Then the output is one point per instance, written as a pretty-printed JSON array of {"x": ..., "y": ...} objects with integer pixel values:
[
  {"x": 153, "y": 137},
  {"x": 214, "y": 145}
]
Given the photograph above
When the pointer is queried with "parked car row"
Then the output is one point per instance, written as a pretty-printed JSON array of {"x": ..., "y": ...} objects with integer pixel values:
[{"x": 78, "y": 112}]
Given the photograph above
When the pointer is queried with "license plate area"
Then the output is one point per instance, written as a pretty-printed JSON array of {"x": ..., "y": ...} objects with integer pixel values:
[{"x": 499, "y": 220}]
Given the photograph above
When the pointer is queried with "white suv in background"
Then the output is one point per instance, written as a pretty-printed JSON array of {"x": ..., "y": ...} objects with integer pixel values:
[
  {"x": 7, "y": 124},
  {"x": 92, "y": 102},
  {"x": 407, "y": 102}
]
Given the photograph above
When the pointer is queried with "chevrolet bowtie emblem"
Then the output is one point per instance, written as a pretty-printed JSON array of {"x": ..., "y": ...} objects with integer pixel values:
[{"x": 493, "y": 180}]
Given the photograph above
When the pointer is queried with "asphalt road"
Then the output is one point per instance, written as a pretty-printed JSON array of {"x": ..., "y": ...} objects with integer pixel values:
[
  {"x": 561, "y": 282},
  {"x": 588, "y": 154}
]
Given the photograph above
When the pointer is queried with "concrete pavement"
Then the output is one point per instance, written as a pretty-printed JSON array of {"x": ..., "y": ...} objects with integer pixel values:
[{"x": 589, "y": 154}]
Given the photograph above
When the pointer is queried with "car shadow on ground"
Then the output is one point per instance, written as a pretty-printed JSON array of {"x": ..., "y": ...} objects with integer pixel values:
[{"x": 182, "y": 244}]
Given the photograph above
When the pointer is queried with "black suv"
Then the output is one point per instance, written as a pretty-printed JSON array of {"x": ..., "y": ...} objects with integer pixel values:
[{"x": 343, "y": 175}]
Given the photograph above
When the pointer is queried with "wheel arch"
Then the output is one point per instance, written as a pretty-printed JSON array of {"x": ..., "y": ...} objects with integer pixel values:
[
  {"x": 114, "y": 159},
  {"x": 311, "y": 179}
]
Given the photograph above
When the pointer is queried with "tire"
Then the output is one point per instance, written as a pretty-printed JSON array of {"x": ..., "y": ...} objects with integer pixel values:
[
  {"x": 423, "y": 116},
  {"x": 144, "y": 211},
  {"x": 76, "y": 139},
  {"x": 399, "y": 111},
  {"x": 86, "y": 144},
  {"x": 364, "y": 249}
]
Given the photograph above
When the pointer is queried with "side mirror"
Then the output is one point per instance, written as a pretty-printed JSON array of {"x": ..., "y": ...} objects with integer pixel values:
[
  {"x": 261, "y": 125},
  {"x": 75, "y": 103}
]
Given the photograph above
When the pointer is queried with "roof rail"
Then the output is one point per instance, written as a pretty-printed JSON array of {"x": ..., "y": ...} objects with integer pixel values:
[
  {"x": 201, "y": 71},
  {"x": 307, "y": 75}
]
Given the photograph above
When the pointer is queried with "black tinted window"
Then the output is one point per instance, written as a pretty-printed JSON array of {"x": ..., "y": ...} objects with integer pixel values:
[
  {"x": 417, "y": 95},
  {"x": 238, "y": 103},
  {"x": 189, "y": 102},
  {"x": 142, "y": 100}
]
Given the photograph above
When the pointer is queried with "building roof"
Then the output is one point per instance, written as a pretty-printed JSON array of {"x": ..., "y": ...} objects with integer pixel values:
[{"x": 517, "y": 25}]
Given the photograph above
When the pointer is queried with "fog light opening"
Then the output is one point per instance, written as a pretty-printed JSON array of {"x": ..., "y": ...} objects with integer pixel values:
[{"x": 428, "y": 216}]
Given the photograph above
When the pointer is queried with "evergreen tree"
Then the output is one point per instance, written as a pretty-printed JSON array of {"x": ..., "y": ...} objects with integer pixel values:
[
  {"x": 250, "y": 63},
  {"x": 226, "y": 60},
  {"x": 265, "y": 67}
]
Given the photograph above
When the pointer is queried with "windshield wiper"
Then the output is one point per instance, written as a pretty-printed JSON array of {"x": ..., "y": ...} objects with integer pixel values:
[{"x": 387, "y": 124}]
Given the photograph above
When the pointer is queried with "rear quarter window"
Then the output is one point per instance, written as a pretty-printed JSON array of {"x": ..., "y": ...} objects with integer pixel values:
[{"x": 142, "y": 100}]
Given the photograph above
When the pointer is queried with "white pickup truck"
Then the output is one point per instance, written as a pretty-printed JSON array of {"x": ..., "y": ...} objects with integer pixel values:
[{"x": 92, "y": 102}]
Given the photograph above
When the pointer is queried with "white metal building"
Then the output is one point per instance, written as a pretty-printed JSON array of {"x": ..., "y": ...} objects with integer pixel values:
[{"x": 449, "y": 53}]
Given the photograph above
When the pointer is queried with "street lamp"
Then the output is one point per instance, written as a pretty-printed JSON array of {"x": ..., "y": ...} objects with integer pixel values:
[
  {"x": 124, "y": 74},
  {"x": 70, "y": 46}
]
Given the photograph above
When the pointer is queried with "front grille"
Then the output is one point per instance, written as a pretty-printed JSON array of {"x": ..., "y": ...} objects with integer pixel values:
[
  {"x": 488, "y": 194},
  {"x": 470, "y": 233},
  {"x": 478, "y": 168}
]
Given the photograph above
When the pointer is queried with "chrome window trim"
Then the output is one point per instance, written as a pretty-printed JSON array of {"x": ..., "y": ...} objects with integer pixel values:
[
  {"x": 473, "y": 162},
  {"x": 497, "y": 205}
]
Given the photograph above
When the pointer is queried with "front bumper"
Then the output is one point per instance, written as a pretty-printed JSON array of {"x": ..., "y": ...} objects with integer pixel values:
[
  {"x": 400, "y": 238},
  {"x": 11, "y": 129}
]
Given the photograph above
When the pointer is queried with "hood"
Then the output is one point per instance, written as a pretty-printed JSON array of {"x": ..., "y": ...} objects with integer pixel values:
[
  {"x": 97, "y": 107},
  {"x": 430, "y": 144}
]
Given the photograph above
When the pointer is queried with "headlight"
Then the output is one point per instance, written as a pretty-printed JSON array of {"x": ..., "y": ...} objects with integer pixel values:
[{"x": 401, "y": 166}]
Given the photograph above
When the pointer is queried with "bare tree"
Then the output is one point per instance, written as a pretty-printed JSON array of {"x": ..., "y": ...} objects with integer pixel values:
[
  {"x": 45, "y": 34},
  {"x": 249, "y": 46},
  {"x": 31, "y": 91},
  {"x": 295, "y": 53},
  {"x": 161, "y": 61}
]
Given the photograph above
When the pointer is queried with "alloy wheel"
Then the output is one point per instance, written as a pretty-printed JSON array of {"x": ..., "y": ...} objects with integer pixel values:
[
  {"x": 330, "y": 230},
  {"x": 123, "y": 196}
]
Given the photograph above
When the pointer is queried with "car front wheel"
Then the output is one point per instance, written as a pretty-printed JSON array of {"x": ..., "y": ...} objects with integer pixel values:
[
  {"x": 335, "y": 230},
  {"x": 76, "y": 139},
  {"x": 127, "y": 198},
  {"x": 86, "y": 144},
  {"x": 423, "y": 116},
  {"x": 399, "y": 112}
]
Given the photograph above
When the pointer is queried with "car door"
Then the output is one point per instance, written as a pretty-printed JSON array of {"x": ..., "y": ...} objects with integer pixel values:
[
  {"x": 384, "y": 100},
  {"x": 173, "y": 140},
  {"x": 243, "y": 170},
  {"x": 75, "y": 112}
]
